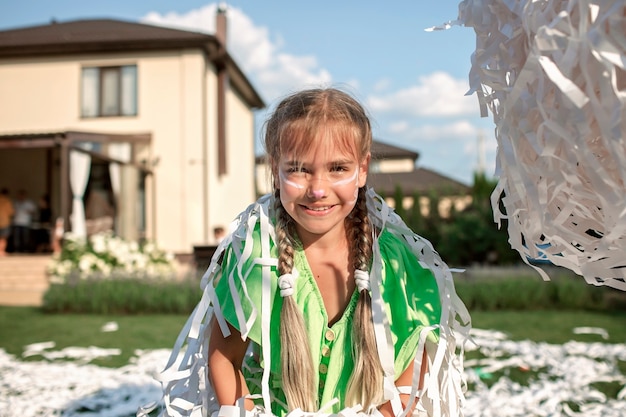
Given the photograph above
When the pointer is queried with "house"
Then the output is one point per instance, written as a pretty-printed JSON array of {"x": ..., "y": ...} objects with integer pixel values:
[
  {"x": 145, "y": 130},
  {"x": 392, "y": 167}
]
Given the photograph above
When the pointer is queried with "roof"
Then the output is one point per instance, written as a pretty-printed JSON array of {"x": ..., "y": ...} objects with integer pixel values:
[
  {"x": 420, "y": 180},
  {"x": 93, "y": 34},
  {"x": 51, "y": 139},
  {"x": 382, "y": 150},
  {"x": 109, "y": 35}
]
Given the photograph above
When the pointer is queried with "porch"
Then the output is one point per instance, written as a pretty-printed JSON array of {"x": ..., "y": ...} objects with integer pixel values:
[{"x": 23, "y": 279}]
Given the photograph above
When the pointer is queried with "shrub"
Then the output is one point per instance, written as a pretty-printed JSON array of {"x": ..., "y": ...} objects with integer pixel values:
[
  {"x": 123, "y": 296},
  {"x": 105, "y": 255},
  {"x": 109, "y": 275},
  {"x": 515, "y": 291}
]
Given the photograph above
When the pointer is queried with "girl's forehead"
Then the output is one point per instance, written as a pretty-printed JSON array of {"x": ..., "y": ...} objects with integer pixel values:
[
  {"x": 330, "y": 142},
  {"x": 321, "y": 154}
]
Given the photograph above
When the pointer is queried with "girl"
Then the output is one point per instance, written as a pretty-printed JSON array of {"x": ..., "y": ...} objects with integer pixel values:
[{"x": 321, "y": 300}]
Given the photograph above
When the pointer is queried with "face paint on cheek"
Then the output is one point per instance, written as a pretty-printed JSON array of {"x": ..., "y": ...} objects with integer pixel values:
[
  {"x": 356, "y": 189},
  {"x": 345, "y": 181},
  {"x": 284, "y": 179}
]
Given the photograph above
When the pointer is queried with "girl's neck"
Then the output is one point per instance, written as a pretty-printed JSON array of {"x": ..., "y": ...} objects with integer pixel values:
[{"x": 332, "y": 241}]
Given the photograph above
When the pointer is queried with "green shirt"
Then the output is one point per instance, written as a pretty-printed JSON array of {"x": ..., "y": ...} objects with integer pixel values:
[{"x": 410, "y": 296}]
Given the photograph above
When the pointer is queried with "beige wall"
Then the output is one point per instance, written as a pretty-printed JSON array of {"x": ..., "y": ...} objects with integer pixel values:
[
  {"x": 233, "y": 192},
  {"x": 177, "y": 106},
  {"x": 444, "y": 207},
  {"x": 392, "y": 165}
]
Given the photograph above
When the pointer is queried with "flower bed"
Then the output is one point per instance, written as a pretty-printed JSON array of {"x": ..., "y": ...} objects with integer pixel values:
[{"x": 104, "y": 255}]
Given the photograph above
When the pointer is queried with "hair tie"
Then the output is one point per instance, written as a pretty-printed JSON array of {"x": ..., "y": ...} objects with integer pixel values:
[
  {"x": 286, "y": 283},
  {"x": 362, "y": 279}
]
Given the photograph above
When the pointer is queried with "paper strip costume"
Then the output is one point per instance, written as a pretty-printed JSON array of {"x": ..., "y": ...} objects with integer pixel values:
[{"x": 414, "y": 307}]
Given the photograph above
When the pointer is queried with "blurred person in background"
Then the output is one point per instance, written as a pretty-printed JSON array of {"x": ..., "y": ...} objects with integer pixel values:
[
  {"x": 25, "y": 209},
  {"x": 6, "y": 213}
]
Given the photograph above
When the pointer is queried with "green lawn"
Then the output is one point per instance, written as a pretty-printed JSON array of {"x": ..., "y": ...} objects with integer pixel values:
[
  {"x": 553, "y": 326},
  {"x": 20, "y": 326}
]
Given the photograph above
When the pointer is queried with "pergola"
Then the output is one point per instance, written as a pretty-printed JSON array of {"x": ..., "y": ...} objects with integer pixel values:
[{"x": 76, "y": 151}]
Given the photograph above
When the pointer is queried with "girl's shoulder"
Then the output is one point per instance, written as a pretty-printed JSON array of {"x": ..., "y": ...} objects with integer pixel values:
[
  {"x": 404, "y": 276},
  {"x": 395, "y": 244}
]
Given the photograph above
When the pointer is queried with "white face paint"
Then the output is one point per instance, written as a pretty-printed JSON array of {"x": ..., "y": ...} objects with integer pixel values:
[
  {"x": 301, "y": 180},
  {"x": 284, "y": 180}
]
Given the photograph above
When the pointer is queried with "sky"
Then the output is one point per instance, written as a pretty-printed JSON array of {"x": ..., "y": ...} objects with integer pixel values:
[{"x": 413, "y": 82}]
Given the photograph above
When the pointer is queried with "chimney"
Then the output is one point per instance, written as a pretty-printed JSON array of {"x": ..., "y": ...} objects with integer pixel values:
[{"x": 220, "y": 24}]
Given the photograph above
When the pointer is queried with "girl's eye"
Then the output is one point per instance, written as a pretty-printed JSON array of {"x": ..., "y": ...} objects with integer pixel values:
[
  {"x": 340, "y": 168},
  {"x": 296, "y": 169}
]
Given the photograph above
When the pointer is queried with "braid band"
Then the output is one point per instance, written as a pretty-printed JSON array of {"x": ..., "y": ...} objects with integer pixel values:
[
  {"x": 286, "y": 283},
  {"x": 362, "y": 279}
]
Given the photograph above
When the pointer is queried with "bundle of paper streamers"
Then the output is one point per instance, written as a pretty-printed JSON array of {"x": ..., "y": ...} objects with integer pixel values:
[{"x": 552, "y": 74}]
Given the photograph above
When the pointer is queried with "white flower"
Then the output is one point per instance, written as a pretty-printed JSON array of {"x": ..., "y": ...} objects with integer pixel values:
[
  {"x": 99, "y": 243},
  {"x": 112, "y": 256},
  {"x": 87, "y": 261}
]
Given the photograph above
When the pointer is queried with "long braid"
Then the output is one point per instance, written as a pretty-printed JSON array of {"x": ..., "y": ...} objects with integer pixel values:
[
  {"x": 296, "y": 361},
  {"x": 366, "y": 382}
]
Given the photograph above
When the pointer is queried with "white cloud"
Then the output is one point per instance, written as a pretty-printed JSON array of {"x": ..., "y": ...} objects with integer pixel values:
[
  {"x": 435, "y": 95},
  {"x": 399, "y": 128},
  {"x": 287, "y": 73},
  {"x": 352, "y": 83},
  {"x": 460, "y": 130},
  {"x": 273, "y": 71},
  {"x": 382, "y": 85}
]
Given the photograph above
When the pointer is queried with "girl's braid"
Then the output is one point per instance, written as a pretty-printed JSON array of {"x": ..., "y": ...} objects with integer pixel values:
[
  {"x": 366, "y": 382},
  {"x": 296, "y": 361}
]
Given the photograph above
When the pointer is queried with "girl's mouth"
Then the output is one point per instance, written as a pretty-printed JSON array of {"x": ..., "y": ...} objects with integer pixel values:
[{"x": 318, "y": 208}]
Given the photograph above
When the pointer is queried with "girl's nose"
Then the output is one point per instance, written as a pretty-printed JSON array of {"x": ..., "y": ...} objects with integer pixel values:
[
  {"x": 317, "y": 188},
  {"x": 317, "y": 193}
]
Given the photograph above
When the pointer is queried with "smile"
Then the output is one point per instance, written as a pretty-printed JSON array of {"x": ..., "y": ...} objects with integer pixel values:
[{"x": 325, "y": 208}]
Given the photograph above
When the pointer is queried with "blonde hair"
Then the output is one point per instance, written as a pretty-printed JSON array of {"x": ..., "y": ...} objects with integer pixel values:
[{"x": 302, "y": 121}]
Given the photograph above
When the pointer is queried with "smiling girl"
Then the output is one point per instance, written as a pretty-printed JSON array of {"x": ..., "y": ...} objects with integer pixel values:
[{"x": 321, "y": 300}]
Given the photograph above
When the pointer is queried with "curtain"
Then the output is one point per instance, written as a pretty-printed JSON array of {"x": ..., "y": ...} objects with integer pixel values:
[
  {"x": 89, "y": 92},
  {"x": 129, "y": 90},
  {"x": 120, "y": 152},
  {"x": 80, "y": 165}
]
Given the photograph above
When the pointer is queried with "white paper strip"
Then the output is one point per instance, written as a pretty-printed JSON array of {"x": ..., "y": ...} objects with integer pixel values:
[
  {"x": 552, "y": 75},
  {"x": 565, "y": 374}
]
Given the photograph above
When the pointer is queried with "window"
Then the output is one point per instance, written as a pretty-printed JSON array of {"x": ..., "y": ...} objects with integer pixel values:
[{"x": 109, "y": 91}]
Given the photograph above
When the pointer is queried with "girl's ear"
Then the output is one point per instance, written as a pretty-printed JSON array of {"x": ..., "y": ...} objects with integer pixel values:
[{"x": 363, "y": 169}]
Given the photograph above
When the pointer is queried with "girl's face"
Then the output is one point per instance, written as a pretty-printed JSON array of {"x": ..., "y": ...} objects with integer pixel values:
[{"x": 320, "y": 190}]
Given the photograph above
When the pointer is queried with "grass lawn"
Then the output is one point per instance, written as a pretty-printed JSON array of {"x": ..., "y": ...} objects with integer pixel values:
[
  {"x": 553, "y": 326},
  {"x": 20, "y": 326}
]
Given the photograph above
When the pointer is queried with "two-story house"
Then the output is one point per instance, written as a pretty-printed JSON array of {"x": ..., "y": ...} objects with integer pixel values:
[{"x": 149, "y": 127}]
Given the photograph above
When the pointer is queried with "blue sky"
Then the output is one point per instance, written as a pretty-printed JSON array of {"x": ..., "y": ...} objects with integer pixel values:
[{"x": 412, "y": 81}]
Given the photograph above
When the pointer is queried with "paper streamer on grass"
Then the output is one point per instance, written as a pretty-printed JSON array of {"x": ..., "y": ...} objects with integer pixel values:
[
  {"x": 559, "y": 377},
  {"x": 552, "y": 75}
]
